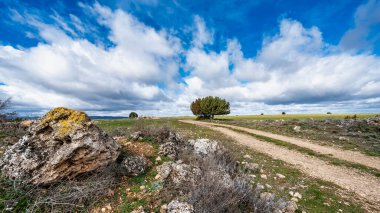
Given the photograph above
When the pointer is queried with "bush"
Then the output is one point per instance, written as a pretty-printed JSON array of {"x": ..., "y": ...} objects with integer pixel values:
[
  {"x": 329, "y": 113},
  {"x": 209, "y": 106},
  {"x": 284, "y": 113},
  {"x": 133, "y": 115}
]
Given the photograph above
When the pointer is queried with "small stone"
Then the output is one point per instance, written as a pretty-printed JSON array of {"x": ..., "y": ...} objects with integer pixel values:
[
  {"x": 291, "y": 193},
  {"x": 252, "y": 176},
  {"x": 297, "y": 195},
  {"x": 297, "y": 128},
  {"x": 259, "y": 186},
  {"x": 142, "y": 187},
  {"x": 264, "y": 176},
  {"x": 340, "y": 210},
  {"x": 247, "y": 157},
  {"x": 158, "y": 159},
  {"x": 281, "y": 176},
  {"x": 342, "y": 138},
  {"x": 294, "y": 199},
  {"x": 157, "y": 177},
  {"x": 109, "y": 207},
  {"x": 103, "y": 210},
  {"x": 163, "y": 208},
  {"x": 268, "y": 186}
]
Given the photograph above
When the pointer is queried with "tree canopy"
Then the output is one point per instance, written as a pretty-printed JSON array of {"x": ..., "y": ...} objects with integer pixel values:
[
  {"x": 133, "y": 115},
  {"x": 209, "y": 106}
]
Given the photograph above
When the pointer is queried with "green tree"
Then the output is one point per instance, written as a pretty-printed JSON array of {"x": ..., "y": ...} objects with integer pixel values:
[
  {"x": 133, "y": 115},
  {"x": 209, "y": 106}
]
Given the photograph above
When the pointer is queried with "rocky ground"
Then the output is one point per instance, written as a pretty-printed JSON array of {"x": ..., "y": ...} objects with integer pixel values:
[{"x": 64, "y": 161}]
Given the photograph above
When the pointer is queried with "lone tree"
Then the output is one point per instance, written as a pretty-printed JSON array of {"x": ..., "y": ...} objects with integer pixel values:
[
  {"x": 4, "y": 105},
  {"x": 209, "y": 106},
  {"x": 133, "y": 115}
]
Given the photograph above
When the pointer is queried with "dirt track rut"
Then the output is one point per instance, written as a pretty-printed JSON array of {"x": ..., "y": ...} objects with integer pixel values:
[{"x": 364, "y": 185}]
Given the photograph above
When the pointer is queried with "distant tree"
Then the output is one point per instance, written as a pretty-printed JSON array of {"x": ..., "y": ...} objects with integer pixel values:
[
  {"x": 329, "y": 113},
  {"x": 262, "y": 114},
  {"x": 133, "y": 115},
  {"x": 209, "y": 106},
  {"x": 284, "y": 113},
  {"x": 4, "y": 105}
]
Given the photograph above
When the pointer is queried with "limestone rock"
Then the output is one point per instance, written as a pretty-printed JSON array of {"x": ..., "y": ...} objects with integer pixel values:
[
  {"x": 135, "y": 165},
  {"x": 62, "y": 144},
  {"x": 297, "y": 128},
  {"x": 168, "y": 149},
  {"x": 179, "y": 207},
  {"x": 178, "y": 172},
  {"x": 204, "y": 146}
]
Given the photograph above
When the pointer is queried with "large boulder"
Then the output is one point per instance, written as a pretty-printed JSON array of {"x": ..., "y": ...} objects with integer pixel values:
[{"x": 62, "y": 144}]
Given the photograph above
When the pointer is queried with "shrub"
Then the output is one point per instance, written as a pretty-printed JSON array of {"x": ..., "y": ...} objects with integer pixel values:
[
  {"x": 284, "y": 113},
  {"x": 133, "y": 115},
  {"x": 329, "y": 113},
  {"x": 209, "y": 106}
]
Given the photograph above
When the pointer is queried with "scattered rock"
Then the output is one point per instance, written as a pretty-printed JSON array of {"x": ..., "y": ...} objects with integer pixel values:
[
  {"x": 247, "y": 157},
  {"x": 158, "y": 159},
  {"x": 268, "y": 186},
  {"x": 291, "y": 207},
  {"x": 204, "y": 146},
  {"x": 168, "y": 149},
  {"x": 294, "y": 199},
  {"x": 342, "y": 138},
  {"x": 263, "y": 176},
  {"x": 252, "y": 167},
  {"x": 179, "y": 207},
  {"x": 291, "y": 193},
  {"x": 297, "y": 195},
  {"x": 297, "y": 128},
  {"x": 266, "y": 196},
  {"x": 163, "y": 208},
  {"x": 281, "y": 176},
  {"x": 178, "y": 172},
  {"x": 136, "y": 135},
  {"x": 135, "y": 165},
  {"x": 62, "y": 144}
]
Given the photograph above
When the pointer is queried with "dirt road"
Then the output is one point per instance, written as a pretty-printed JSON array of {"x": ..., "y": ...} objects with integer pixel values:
[
  {"x": 364, "y": 185},
  {"x": 352, "y": 156}
]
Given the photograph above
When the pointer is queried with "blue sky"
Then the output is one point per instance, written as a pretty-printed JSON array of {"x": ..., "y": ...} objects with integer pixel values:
[{"x": 155, "y": 57}]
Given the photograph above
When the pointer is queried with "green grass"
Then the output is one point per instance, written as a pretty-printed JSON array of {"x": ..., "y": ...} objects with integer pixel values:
[
  {"x": 293, "y": 116},
  {"x": 327, "y": 158},
  {"x": 314, "y": 196}
]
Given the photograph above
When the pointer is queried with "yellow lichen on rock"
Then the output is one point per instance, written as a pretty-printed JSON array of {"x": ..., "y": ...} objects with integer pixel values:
[{"x": 64, "y": 119}]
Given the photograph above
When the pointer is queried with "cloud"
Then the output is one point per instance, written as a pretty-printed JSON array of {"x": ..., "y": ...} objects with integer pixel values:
[
  {"x": 293, "y": 67},
  {"x": 365, "y": 32},
  {"x": 66, "y": 71},
  {"x": 137, "y": 67}
]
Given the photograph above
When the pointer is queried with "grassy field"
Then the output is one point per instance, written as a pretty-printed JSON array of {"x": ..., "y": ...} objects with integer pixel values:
[
  {"x": 293, "y": 116},
  {"x": 317, "y": 195}
]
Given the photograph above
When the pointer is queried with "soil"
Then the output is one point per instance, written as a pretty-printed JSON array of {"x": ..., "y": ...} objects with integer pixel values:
[{"x": 366, "y": 186}]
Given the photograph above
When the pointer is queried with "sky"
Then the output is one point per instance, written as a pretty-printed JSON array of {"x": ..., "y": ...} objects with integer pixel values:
[{"x": 155, "y": 57}]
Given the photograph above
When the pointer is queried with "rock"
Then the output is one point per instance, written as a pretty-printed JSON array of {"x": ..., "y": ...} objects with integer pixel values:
[
  {"x": 178, "y": 172},
  {"x": 294, "y": 199},
  {"x": 264, "y": 176},
  {"x": 268, "y": 186},
  {"x": 281, "y": 176},
  {"x": 266, "y": 196},
  {"x": 168, "y": 149},
  {"x": 297, "y": 128},
  {"x": 247, "y": 157},
  {"x": 252, "y": 167},
  {"x": 291, "y": 207},
  {"x": 204, "y": 146},
  {"x": 291, "y": 193},
  {"x": 135, "y": 165},
  {"x": 163, "y": 208},
  {"x": 103, "y": 209},
  {"x": 158, "y": 159},
  {"x": 297, "y": 195},
  {"x": 179, "y": 207},
  {"x": 342, "y": 138},
  {"x": 142, "y": 187},
  {"x": 136, "y": 135},
  {"x": 62, "y": 144}
]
